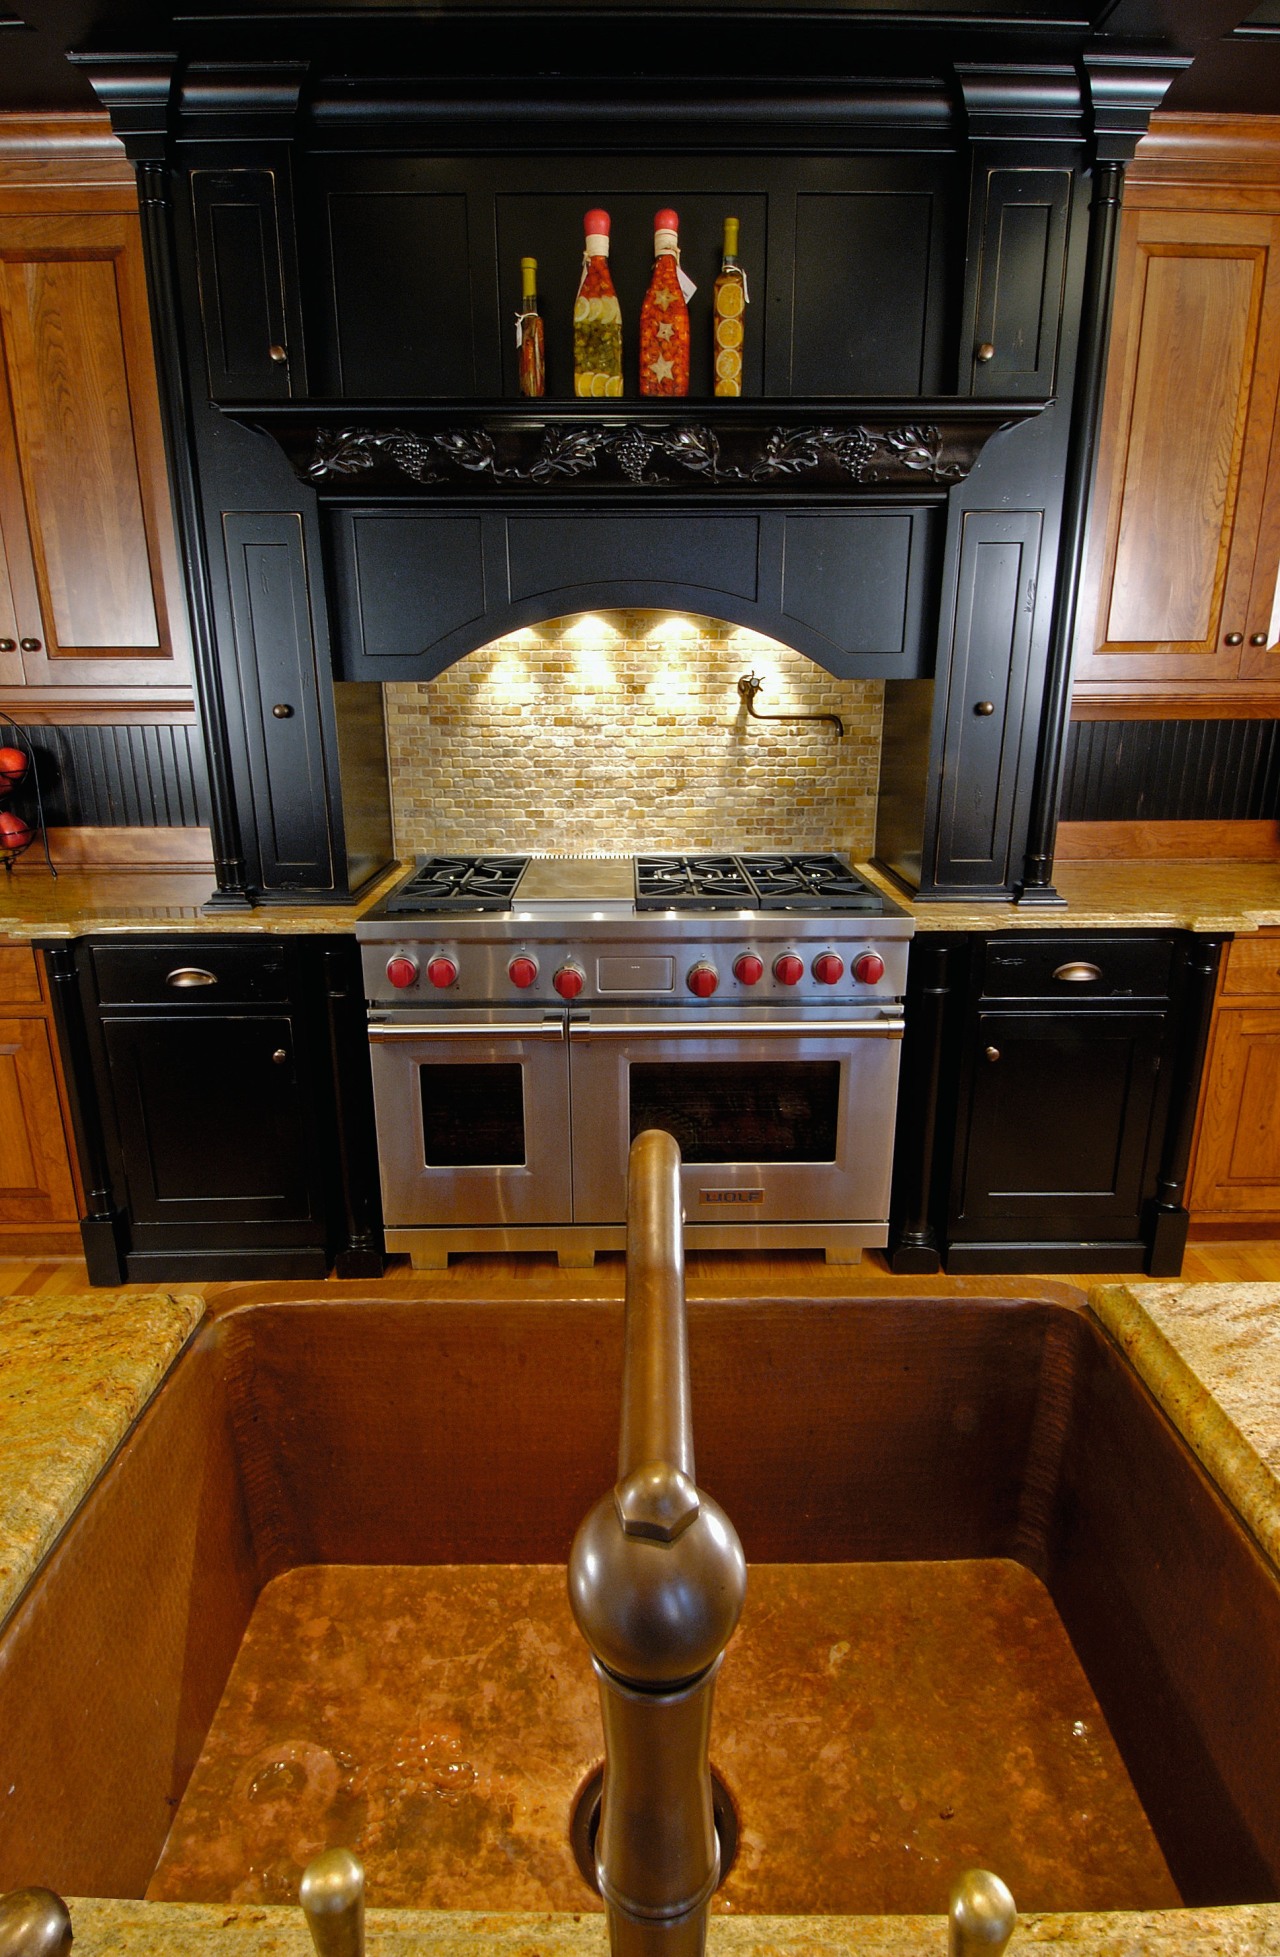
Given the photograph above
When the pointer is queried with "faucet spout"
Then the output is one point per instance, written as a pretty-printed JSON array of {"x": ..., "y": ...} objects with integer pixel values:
[{"x": 657, "y": 1580}]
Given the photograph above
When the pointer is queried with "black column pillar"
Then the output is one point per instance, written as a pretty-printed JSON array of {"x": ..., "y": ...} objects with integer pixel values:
[
  {"x": 1086, "y": 413},
  {"x": 156, "y": 211}
]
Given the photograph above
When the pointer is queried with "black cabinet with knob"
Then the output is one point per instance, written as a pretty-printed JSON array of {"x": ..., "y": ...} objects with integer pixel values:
[
  {"x": 223, "y": 1108},
  {"x": 1049, "y": 1089}
]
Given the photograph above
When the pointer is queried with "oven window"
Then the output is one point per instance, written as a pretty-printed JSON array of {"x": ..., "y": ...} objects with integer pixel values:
[
  {"x": 472, "y": 1115},
  {"x": 741, "y": 1110}
]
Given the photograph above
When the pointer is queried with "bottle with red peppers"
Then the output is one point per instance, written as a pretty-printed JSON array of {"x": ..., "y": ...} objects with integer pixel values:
[
  {"x": 664, "y": 317},
  {"x": 530, "y": 338}
]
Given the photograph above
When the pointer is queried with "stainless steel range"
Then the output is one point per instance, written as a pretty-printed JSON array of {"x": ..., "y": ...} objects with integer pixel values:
[{"x": 529, "y": 1015}]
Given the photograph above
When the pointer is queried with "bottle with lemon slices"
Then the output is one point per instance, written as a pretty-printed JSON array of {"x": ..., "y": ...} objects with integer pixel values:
[
  {"x": 597, "y": 317},
  {"x": 728, "y": 302}
]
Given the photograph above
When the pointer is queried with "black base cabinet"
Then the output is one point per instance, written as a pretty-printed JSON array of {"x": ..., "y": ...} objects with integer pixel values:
[
  {"x": 223, "y": 1107},
  {"x": 1048, "y": 1093}
]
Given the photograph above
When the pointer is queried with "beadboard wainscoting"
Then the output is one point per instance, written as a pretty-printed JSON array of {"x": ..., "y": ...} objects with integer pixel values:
[{"x": 624, "y": 731}]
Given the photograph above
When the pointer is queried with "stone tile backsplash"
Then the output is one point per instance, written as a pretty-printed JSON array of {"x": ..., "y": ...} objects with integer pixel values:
[{"x": 623, "y": 731}]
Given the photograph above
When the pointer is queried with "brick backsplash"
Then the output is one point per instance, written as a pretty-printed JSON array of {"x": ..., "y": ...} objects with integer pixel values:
[{"x": 622, "y": 731}]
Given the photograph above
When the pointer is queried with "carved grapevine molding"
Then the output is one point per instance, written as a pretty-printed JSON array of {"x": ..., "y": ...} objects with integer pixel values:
[{"x": 913, "y": 452}]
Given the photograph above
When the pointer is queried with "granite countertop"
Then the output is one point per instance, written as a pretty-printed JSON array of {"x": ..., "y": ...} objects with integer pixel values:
[
  {"x": 78, "y": 1370},
  {"x": 1225, "y": 895},
  {"x": 75, "y": 1373}
]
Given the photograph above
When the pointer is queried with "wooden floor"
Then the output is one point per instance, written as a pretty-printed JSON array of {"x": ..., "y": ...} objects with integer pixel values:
[{"x": 783, "y": 1274}]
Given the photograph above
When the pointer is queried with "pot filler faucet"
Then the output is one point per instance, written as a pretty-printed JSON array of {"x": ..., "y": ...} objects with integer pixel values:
[{"x": 657, "y": 1579}]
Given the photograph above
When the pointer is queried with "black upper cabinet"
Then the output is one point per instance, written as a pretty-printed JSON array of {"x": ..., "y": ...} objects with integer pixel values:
[{"x": 413, "y": 269}]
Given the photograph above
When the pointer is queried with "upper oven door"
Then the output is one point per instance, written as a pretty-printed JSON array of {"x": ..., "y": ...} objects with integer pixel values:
[
  {"x": 473, "y": 1119},
  {"x": 779, "y": 1120}
]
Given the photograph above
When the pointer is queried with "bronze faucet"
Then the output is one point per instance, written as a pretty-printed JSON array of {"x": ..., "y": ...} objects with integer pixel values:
[{"x": 656, "y": 1581}]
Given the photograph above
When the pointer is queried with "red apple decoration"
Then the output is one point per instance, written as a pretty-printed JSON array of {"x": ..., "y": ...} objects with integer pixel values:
[
  {"x": 13, "y": 766},
  {"x": 14, "y": 832}
]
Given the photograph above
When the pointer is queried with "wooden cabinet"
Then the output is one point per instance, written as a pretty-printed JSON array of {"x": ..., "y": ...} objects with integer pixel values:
[
  {"x": 1178, "y": 604},
  {"x": 224, "y": 1106},
  {"x": 1235, "y": 1176},
  {"x": 91, "y": 612},
  {"x": 38, "y": 1199},
  {"x": 1058, "y": 1073}
]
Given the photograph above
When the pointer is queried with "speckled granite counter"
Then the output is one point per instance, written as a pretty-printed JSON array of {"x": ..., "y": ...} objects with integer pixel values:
[
  {"x": 75, "y": 1373},
  {"x": 1197, "y": 896},
  {"x": 108, "y": 1929}
]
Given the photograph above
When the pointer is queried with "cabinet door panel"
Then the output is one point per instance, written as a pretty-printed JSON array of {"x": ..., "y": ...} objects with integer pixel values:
[
  {"x": 276, "y": 662},
  {"x": 84, "y": 502},
  {"x": 241, "y": 283},
  {"x": 212, "y": 1126},
  {"x": 1018, "y": 307},
  {"x": 1237, "y": 1168},
  {"x": 1060, "y": 1125},
  {"x": 1171, "y": 561},
  {"x": 35, "y": 1175},
  {"x": 994, "y": 610}
]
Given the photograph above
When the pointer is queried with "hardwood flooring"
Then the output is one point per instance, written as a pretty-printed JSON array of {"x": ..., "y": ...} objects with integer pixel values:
[{"x": 792, "y": 1274}]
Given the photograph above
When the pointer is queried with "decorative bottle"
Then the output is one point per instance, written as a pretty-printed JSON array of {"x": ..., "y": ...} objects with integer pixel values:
[
  {"x": 597, "y": 317},
  {"x": 728, "y": 301},
  {"x": 664, "y": 317},
  {"x": 530, "y": 337}
]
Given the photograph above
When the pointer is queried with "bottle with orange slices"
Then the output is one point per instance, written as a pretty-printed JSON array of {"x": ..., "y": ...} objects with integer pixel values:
[
  {"x": 728, "y": 303},
  {"x": 597, "y": 317}
]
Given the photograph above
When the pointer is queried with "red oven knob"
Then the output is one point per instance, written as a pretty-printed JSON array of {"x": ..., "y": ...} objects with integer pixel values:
[
  {"x": 569, "y": 981},
  {"x": 702, "y": 979},
  {"x": 828, "y": 968},
  {"x": 868, "y": 969},
  {"x": 402, "y": 971},
  {"x": 522, "y": 971},
  {"x": 789, "y": 969},
  {"x": 748, "y": 969},
  {"x": 442, "y": 972}
]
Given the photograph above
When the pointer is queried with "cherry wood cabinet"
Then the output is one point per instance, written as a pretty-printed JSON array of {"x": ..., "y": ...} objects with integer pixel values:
[
  {"x": 1235, "y": 1178},
  {"x": 91, "y": 613},
  {"x": 1178, "y": 607},
  {"x": 38, "y": 1196}
]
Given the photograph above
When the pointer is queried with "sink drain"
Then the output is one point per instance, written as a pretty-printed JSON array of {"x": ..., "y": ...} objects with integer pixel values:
[{"x": 584, "y": 1825}]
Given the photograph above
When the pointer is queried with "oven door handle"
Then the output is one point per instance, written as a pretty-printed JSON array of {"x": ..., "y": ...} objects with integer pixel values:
[
  {"x": 536, "y": 1029},
  {"x": 791, "y": 1029}
]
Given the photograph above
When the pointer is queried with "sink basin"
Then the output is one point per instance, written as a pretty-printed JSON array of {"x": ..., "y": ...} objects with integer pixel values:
[{"x": 996, "y": 1613}]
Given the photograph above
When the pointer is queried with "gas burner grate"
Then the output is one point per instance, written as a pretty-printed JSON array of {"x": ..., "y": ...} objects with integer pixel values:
[
  {"x": 809, "y": 882},
  {"x": 705, "y": 883},
  {"x": 777, "y": 881},
  {"x": 458, "y": 883}
]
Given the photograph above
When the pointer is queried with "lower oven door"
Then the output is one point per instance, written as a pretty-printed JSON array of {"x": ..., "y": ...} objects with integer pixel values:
[
  {"x": 473, "y": 1119},
  {"x": 778, "y": 1120}
]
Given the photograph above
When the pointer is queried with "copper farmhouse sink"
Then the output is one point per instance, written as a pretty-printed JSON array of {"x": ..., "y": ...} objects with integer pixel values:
[{"x": 996, "y": 1613}]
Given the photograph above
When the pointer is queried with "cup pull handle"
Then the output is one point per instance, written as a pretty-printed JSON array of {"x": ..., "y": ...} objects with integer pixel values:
[
  {"x": 1077, "y": 972},
  {"x": 184, "y": 976}
]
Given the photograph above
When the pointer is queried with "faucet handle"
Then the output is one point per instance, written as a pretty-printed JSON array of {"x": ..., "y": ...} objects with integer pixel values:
[
  {"x": 982, "y": 1915},
  {"x": 332, "y": 1898},
  {"x": 34, "y": 1923}
]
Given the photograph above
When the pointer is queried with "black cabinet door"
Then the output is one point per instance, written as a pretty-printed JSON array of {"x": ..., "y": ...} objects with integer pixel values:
[
  {"x": 1058, "y": 1141},
  {"x": 242, "y": 288},
  {"x": 213, "y": 1129}
]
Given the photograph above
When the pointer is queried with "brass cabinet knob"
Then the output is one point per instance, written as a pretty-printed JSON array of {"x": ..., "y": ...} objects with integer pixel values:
[
  {"x": 992, "y": 1053},
  {"x": 30, "y": 645},
  {"x": 985, "y": 352},
  {"x": 1233, "y": 639},
  {"x": 8, "y": 645},
  {"x": 34, "y": 1923},
  {"x": 279, "y": 1057},
  {"x": 1257, "y": 638},
  {"x": 278, "y": 353},
  {"x": 282, "y": 710},
  {"x": 984, "y": 707}
]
